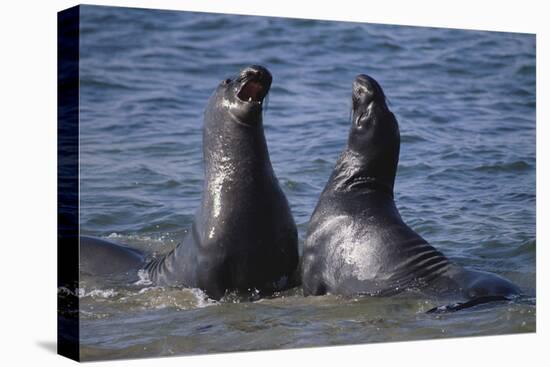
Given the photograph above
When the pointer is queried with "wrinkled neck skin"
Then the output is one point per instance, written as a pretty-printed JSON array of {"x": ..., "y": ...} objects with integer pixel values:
[
  {"x": 369, "y": 162},
  {"x": 355, "y": 172}
]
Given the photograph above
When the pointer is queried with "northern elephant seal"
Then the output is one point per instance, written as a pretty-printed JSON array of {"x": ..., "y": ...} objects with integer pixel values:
[
  {"x": 356, "y": 241},
  {"x": 243, "y": 237}
]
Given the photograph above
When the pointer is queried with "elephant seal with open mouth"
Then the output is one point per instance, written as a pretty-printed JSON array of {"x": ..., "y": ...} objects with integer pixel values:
[{"x": 243, "y": 237}]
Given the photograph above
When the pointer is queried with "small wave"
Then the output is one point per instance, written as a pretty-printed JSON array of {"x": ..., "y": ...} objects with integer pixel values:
[
  {"x": 521, "y": 196},
  {"x": 297, "y": 186},
  {"x": 409, "y": 138},
  {"x": 103, "y": 84},
  {"x": 389, "y": 46},
  {"x": 526, "y": 70},
  {"x": 160, "y": 239},
  {"x": 527, "y": 248},
  {"x": 415, "y": 167},
  {"x": 504, "y": 167}
]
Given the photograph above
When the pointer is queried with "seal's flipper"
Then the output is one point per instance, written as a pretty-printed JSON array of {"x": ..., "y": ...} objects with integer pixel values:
[{"x": 471, "y": 303}]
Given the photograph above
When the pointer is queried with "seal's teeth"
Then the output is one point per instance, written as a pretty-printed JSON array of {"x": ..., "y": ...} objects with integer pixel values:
[{"x": 249, "y": 99}]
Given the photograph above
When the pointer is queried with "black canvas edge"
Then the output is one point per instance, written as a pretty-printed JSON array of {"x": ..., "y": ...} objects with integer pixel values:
[{"x": 68, "y": 47}]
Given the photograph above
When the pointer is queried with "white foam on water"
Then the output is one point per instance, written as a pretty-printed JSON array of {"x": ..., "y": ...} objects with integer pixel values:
[
  {"x": 147, "y": 289},
  {"x": 97, "y": 293},
  {"x": 202, "y": 299},
  {"x": 143, "y": 278}
]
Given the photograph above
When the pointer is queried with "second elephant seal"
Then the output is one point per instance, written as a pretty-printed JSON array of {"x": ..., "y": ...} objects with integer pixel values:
[{"x": 357, "y": 242}]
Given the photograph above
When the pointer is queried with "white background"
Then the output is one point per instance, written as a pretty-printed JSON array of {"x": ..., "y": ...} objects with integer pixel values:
[{"x": 28, "y": 181}]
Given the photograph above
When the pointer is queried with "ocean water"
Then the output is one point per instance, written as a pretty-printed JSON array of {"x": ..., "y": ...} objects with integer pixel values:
[{"x": 465, "y": 102}]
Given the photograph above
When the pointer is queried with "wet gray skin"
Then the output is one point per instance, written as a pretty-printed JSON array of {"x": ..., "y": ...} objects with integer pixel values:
[
  {"x": 243, "y": 238},
  {"x": 357, "y": 242}
]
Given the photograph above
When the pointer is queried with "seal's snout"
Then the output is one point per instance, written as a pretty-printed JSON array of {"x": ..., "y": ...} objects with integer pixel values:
[
  {"x": 367, "y": 93},
  {"x": 255, "y": 83},
  {"x": 367, "y": 99},
  {"x": 363, "y": 79},
  {"x": 258, "y": 71},
  {"x": 364, "y": 87}
]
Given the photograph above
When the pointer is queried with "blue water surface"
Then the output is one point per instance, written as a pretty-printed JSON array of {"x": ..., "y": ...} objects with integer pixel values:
[{"x": 465, "y": 102}]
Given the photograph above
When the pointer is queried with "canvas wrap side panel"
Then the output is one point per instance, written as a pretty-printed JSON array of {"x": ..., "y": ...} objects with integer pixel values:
[{"x": 68, "y": 182}]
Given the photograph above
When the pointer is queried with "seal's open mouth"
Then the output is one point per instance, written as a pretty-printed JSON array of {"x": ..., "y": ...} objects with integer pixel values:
[
  {"x": 255, "y": 81},
  {"x": 252, "y": 91}
]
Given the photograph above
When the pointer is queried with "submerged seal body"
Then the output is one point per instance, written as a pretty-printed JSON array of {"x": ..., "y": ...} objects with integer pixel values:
[
  {"x": 243, "y": 237},
  {"x": 109, "y": 260},
  {"x": 357, "y": 242}
]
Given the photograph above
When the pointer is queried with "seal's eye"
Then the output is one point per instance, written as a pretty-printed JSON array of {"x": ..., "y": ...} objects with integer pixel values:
[{"x": 226, "y": 81}]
